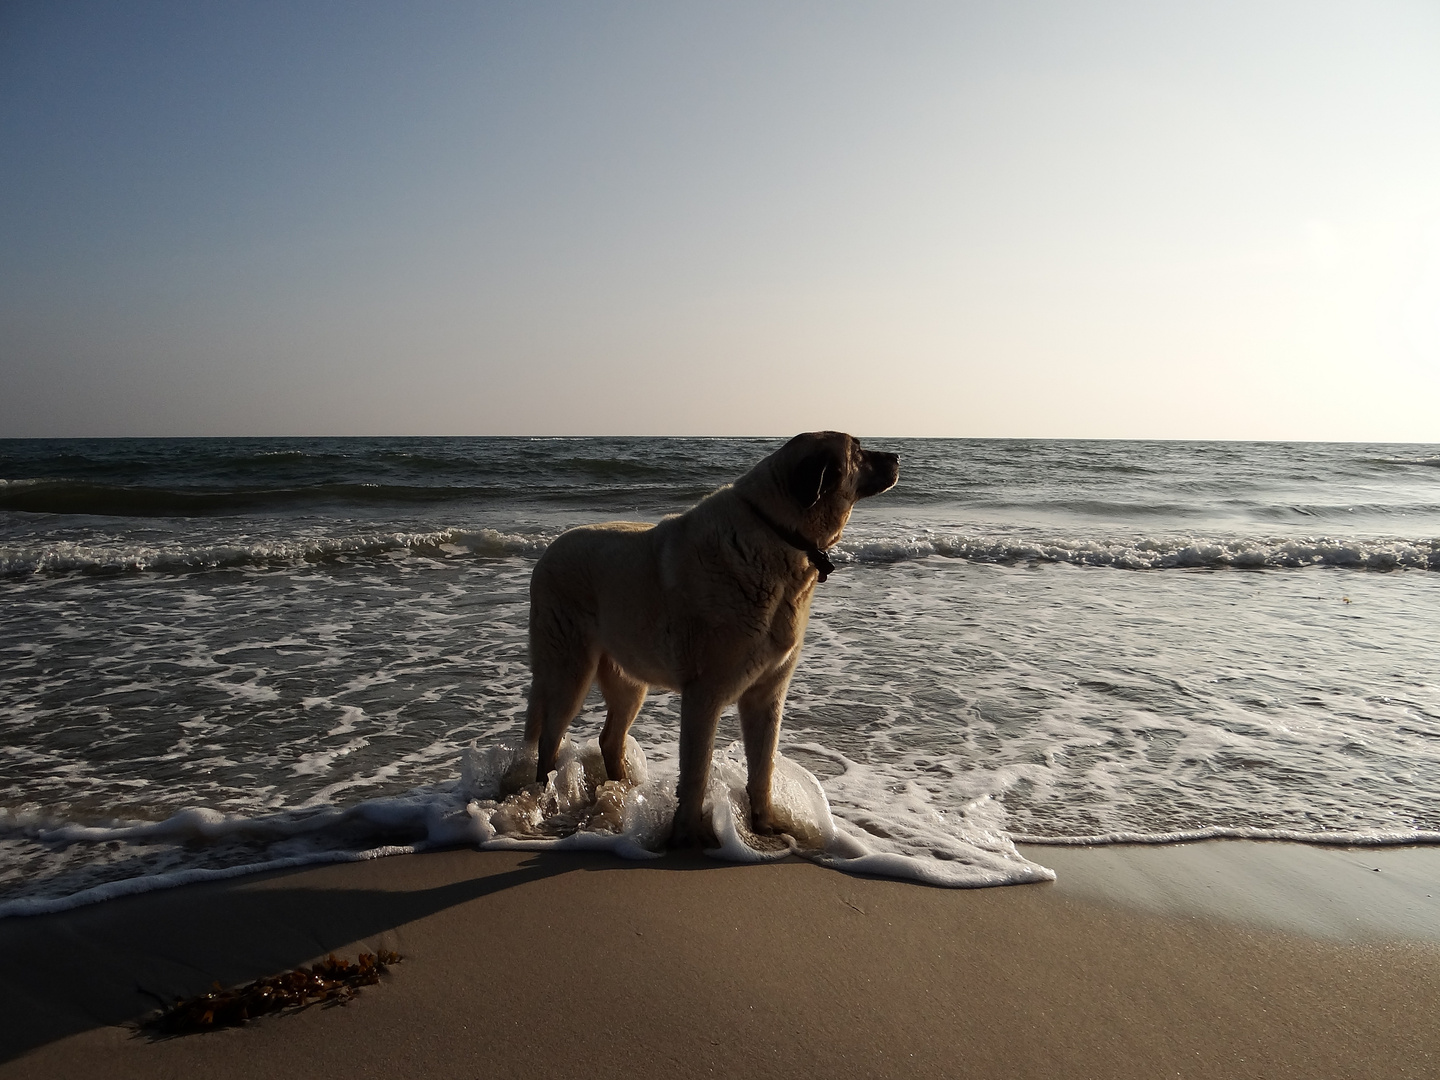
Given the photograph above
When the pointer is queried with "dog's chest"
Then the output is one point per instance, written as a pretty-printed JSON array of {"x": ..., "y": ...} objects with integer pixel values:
[{"x": 788, "y": 619}]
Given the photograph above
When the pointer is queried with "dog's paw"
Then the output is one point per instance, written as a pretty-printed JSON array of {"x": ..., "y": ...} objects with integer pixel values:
[
  {"x": 692, "y": 831},
  {"x": 764, "y": 825}
]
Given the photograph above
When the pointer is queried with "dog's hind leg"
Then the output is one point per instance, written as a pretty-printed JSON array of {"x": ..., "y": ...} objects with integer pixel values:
[
  {"x": 556, "y": 695},
  {"x": 562, "y": 667},
  {"x": 623, "y": 696}
]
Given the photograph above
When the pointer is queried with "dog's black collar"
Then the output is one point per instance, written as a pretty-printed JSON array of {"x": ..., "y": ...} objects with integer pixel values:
[{"x": 817, "y": 558}]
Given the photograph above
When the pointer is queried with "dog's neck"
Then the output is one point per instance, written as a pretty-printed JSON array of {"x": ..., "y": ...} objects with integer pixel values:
[{"x": 818, "y": 559}]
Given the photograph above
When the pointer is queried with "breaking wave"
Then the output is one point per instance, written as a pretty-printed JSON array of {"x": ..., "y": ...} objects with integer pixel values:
[
  {"x": 1180, "y": 553},
  {"x": 1431, "y": 461},
  {"x": 1142, "y": 553},
  {"x": 98, "y": 559}
]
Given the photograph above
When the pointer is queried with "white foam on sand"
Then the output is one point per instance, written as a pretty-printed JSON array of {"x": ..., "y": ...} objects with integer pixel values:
[
  {"x": 912, "y": 841},
  {"x": 578, "y": 808}
]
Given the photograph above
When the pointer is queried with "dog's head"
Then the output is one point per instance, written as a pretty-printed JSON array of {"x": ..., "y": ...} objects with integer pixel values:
[{"x": 816, "y": 478}]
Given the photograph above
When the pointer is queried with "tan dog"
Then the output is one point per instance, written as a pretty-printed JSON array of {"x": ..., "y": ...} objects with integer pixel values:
[{"x": 712, "y": 603}]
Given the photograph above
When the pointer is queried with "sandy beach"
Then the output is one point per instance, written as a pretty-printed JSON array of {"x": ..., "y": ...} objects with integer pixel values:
[{"x": 1204, "y": 960}]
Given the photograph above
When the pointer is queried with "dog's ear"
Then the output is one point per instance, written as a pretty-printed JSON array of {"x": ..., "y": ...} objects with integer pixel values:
[{"x": 813, "y": 477}]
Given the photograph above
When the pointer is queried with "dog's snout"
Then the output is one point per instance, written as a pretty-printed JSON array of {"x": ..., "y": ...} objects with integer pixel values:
[{"x": 881, "y": 472}]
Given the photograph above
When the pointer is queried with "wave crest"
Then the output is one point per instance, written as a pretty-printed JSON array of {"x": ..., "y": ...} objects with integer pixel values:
[
  {"x": 62, "y": 496},
  {"x": 1121, "y": 553},
  {"x": 1153, "y": 554},
  {"x": 72, "y": 558}
]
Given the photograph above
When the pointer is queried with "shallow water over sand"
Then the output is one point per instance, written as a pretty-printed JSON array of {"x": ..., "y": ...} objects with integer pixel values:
[{"x": 1038, "y": 640}]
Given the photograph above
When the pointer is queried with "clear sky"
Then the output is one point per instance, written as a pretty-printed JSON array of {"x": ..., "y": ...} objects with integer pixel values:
[{"x": 1058, "y": 219}]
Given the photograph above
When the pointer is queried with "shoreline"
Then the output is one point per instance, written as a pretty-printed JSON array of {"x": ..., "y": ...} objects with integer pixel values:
[
  {"x": 1326, "y": 892},
  {"x": 1213, "y": 959}
]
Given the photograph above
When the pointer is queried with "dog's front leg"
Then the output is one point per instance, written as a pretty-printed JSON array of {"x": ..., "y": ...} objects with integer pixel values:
[
  {"x": 760, "y": 728},
  {"x": 699, "y": 717}
]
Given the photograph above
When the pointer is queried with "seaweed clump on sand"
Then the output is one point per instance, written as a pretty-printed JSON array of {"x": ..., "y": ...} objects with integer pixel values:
[{"x": 331, "y": 982}]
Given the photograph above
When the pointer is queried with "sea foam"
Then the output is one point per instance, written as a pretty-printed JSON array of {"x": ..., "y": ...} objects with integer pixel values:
[
  {"x": 1120, "y": 552},
  {"x": 577, "y": 809},
  {"x": 98, "y": 558},
  {"x": 1151, "y": 553}
]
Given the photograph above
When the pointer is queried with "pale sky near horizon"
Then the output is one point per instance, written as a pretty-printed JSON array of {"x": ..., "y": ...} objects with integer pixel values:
[{"x": 1054, "y": 219}]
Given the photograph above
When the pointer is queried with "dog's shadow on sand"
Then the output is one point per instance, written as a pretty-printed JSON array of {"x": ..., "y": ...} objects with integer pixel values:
[{"x": 115, "y": 962}]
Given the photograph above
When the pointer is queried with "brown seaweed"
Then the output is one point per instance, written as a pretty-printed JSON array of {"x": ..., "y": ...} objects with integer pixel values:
[{"x": 331, "y": 982}]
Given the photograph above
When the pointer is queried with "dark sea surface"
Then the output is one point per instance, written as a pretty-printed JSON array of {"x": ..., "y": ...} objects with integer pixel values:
[{"x": 218, "y": 654}]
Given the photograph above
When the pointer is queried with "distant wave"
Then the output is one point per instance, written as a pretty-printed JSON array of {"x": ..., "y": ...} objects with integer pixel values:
[
  {"x": 1099, "y": 508},
  {"x": 1429, "y": 461},
  {"x": 68, "y": 558},
  {"x": 109, "y": 500},
  {"x": 976, "y": 505},
  {"x": 1127, "y": 553},
  {"x": 83, "y": 497},
  {"x": 1155, "y": 554}
]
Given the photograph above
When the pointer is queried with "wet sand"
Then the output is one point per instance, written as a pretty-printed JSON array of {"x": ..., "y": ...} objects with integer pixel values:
[{"x": 1204, "y": 960}]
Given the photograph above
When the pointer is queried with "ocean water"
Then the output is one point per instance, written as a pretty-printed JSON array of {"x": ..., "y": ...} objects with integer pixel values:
[{"x": 224, "y": 654}]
